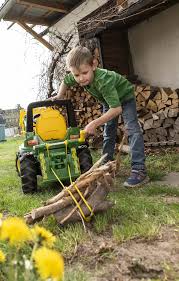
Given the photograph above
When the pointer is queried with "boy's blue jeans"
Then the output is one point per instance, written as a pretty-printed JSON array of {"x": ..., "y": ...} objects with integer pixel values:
[{"x": 134, "y": 133}]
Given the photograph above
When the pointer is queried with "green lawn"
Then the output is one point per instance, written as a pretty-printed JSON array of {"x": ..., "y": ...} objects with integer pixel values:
[{"x": 136, "y": 213}]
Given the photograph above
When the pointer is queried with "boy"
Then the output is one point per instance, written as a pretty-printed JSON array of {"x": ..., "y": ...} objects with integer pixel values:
[{"x": 117, "y": 96}]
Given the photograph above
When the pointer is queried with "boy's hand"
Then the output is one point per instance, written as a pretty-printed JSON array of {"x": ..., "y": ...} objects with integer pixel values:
[
  {"x": 52, "y": 98},
  {"x": 90, "y": 129}
]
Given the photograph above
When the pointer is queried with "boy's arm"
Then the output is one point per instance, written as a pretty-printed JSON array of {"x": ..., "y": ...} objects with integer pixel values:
[
  {"x": 110, "y": 114},
  {"x": 61, "y": 92}
]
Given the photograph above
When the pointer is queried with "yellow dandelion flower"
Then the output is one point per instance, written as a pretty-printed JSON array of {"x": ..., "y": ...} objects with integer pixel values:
[
  {"x": 49, "y": 264},
  {"x": 2, "y": 256},
  {"x": 15, "y": 231},
  {"x": 43, "y": 236}
]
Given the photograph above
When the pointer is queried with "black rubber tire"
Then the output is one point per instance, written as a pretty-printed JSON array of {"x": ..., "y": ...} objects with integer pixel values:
[
  {"x": 17, "y": 165},
  {"x": 28, "y": 174},
  {"x": 85, "y": 159}
]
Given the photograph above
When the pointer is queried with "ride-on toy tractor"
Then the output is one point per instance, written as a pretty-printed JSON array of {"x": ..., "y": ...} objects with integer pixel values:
[{"x": 53, "y": 149}]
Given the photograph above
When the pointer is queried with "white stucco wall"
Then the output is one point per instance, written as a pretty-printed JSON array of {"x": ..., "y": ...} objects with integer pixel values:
[
  {"x": 69, "y": 21},
  {"x": 154, "y": 46}
]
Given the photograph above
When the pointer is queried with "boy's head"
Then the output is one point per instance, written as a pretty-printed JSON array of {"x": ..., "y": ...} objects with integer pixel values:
[{"x": 81, "y": 64}]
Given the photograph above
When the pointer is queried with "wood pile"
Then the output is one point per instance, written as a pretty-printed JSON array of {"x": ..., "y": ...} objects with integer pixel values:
[
  {"x": 86, "y": 107},
  {"x": 94, "y": 185},
  {"x": 157, "y": 111}
]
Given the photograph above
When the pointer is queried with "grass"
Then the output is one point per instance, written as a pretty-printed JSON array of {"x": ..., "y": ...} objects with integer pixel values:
[{"x": 136, "y": 213}]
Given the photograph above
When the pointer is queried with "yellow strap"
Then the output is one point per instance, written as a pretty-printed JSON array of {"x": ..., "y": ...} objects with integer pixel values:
[
  {"x": 47, "y": 147},
  {"x": 74, "y": 199},
  {"x": 79, "y": 192},
  {"x": 77, "y": 189}
]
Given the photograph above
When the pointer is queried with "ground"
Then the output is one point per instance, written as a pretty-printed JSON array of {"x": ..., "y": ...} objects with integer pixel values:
[
  {"x": 137, "y": 239},
  {"x": 150, "y": 259},
  {"x": 134, "y": 260}
]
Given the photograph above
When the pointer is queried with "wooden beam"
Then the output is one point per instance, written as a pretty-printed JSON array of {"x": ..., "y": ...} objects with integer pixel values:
[
  {"x": 29, "y": 19},
  {"x": 36, "y": 35},
  {"x": 53, "y": 6}
]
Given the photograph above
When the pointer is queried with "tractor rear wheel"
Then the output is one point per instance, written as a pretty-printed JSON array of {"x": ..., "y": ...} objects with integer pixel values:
[
  {"x": 28, "y": 170},
  {"x": 85, "y": 159}
]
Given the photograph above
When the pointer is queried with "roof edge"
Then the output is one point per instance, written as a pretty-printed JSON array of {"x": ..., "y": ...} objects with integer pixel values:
[{"x": 5, "y": 8}]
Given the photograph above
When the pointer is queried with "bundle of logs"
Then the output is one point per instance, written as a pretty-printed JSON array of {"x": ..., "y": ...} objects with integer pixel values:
[
  {"x": 94, "y": 185},
  {"x": 157, "y": 111}
]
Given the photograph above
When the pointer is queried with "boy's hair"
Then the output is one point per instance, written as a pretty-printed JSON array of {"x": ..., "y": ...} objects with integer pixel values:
[{"x": 78, "y": 56}]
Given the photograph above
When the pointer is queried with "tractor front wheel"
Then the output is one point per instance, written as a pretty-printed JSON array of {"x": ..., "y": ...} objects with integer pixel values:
[
  {"x": 28, "y": 174},
  {"x": 85, "y": 159}
]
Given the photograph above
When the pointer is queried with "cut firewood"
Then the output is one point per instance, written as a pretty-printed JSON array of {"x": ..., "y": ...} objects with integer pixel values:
[
  {"x": 173, "y": 112},
  {"x": 168, "y": 102},
  {"x": 173, "y": 95},
  {"x": 140, "y": 98},
  {"x": 158, "y": 96},
  {"x": 152, "y": 105},
  {"x": 94, "y": 186},
  {"x": 155, "y": 116},
  {"x": 174, "y": 104},
  {"x": 146, "y": 94},
  {"x": 168, "y": 122},
  {"x": 160, "y": 104},
  {"x": 156, "y": 103},
  {"x": 164, "y": 95},
  {"x": 139, "y": 88},
  {"x": 148, "y": 124}
]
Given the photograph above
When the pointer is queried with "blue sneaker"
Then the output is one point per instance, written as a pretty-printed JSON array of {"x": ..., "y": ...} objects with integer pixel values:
[{"x": 137, "y": 178}]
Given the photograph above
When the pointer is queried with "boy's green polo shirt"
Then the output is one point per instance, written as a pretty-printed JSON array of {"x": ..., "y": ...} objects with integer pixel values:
[{"x": 107, "y": 86}]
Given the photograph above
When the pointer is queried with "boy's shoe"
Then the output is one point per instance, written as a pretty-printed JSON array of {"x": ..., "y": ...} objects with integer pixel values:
[{"x": 137, "y": 178}]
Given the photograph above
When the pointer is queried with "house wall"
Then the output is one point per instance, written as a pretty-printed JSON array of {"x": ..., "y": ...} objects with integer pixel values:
[
  {"x": 154, "y": 47},
  {"x": 11, "y": 117},
  {"x": 69, "y": 21}
]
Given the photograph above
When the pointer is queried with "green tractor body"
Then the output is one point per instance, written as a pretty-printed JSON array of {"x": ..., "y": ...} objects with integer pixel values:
[{"x": 57, "y": 156}]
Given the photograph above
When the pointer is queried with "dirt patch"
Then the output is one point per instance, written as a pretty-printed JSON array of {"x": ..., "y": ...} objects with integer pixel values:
[
  {"x": 170, "y": 199},
  {"x": 133, "y": 260},
  {"x": 172, "y": 179}
]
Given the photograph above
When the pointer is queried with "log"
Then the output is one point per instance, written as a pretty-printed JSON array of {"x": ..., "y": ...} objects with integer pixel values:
[
  {"x": 164, "y": 95},
  {"x": 148, "y": 124},
  {"x": 152, "y": 105}
]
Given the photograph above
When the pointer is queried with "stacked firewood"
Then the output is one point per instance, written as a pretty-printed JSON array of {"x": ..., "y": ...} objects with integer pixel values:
[
  {"x": 157, "y": 111},
  {"x": 86, "y": 107}
]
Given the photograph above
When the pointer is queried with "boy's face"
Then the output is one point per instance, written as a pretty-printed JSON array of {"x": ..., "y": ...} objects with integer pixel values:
[{"x": 84, "y": 75}]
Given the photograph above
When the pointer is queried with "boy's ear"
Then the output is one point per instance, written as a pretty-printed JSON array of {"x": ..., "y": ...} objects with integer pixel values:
[{"x": 95, "y": 64}]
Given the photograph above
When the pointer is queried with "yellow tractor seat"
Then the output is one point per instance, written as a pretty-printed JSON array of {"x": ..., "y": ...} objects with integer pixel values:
[{"x": 51, "y": 125}]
